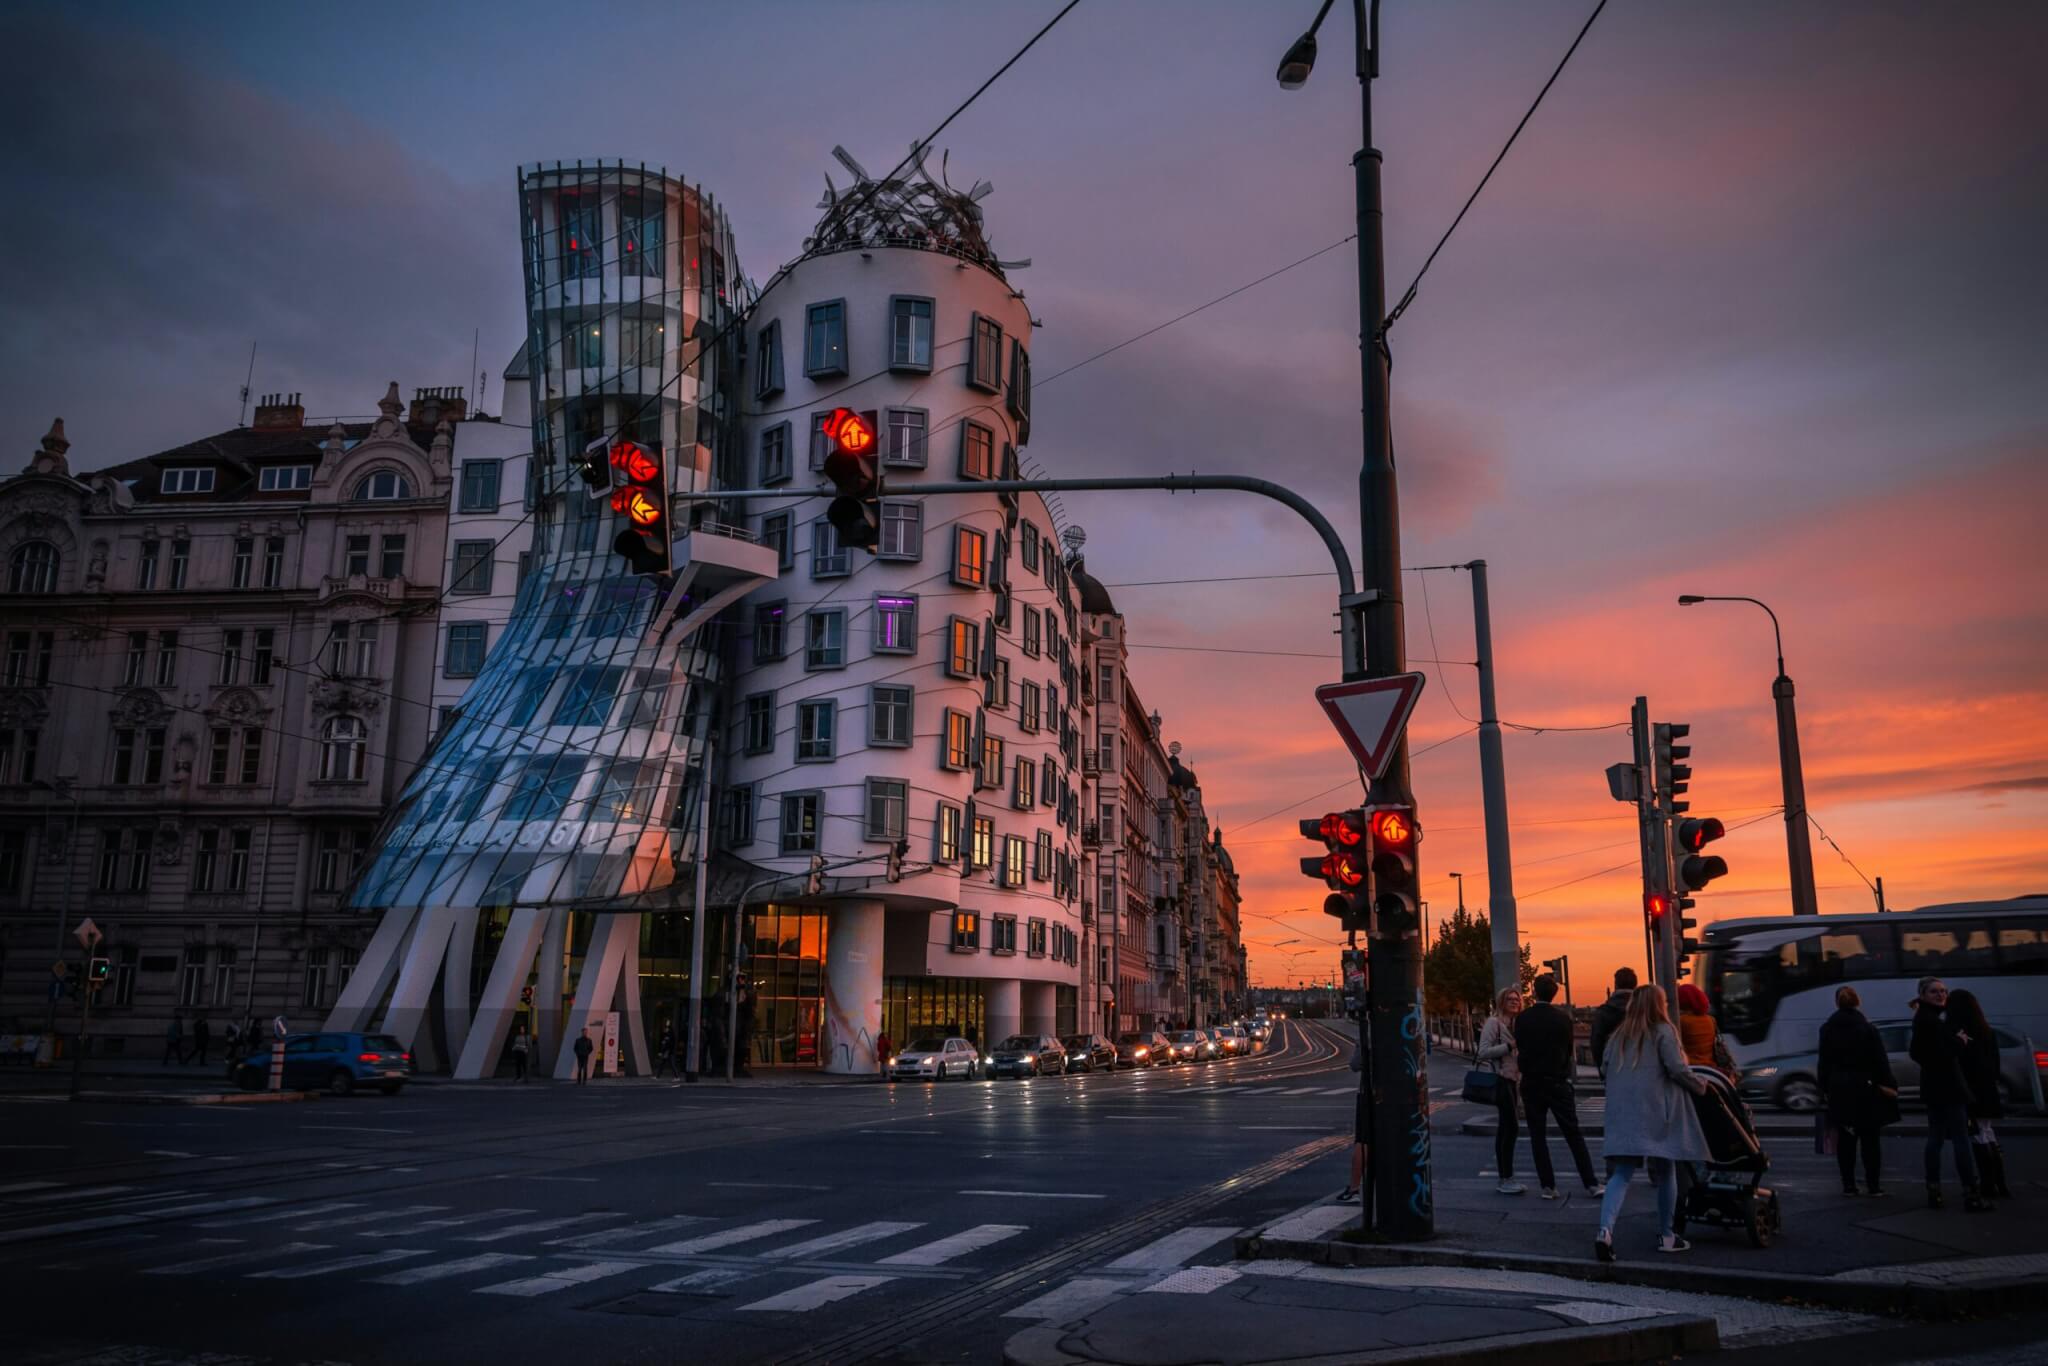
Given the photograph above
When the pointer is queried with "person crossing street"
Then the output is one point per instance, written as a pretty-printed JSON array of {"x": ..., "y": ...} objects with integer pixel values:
[{"x": 1543, "y": 1043}]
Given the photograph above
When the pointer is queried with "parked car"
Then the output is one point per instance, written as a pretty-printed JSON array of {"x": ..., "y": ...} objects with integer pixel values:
[
  {"x": 1089, "y": 1053},
  {"x": 1027, "y": 1055},
  {"x": 1194, "y": 1045},
  {"x": 935, "y": 1058},
  {"x": 1143, "y": 1048},
  {"x": 1792, "y": 1082},
  {"x": 1236, "y": 1043},
  {"x": 333, "y": 1062}
]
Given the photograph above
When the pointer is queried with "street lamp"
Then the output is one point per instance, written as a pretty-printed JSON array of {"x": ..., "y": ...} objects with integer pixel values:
[{"x": 1798, "y": 844}]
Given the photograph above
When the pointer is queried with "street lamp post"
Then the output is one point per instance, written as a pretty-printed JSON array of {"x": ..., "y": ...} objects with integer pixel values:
[{"x": 1798, "y": 843}]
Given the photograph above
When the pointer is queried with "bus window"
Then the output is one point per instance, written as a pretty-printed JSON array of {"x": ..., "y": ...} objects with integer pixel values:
[
  {"x": 1957, "y": 949},
  {"x": 2023, "y": 946},
  {"x": 1850, "y": 955}
]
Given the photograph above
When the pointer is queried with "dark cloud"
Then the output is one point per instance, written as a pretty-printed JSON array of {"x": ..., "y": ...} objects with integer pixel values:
[{"x": 2036, "y": 783}]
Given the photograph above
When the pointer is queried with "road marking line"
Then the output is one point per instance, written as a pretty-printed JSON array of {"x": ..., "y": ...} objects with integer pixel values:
[
  {"x": 703, "y": 1282},
  {"x": 354, "y": 1129},
  {"x": 1040, "y": 1195},
  {"x": 834, "y": 1242},
  {"x": 435, "y": 1271},
  {"x": 765, "y": 1186},
  {"x": 1287, "y": 1128},
  {"x": 957, "y": 1245},
  {"x": 549, "y": 1282},
  {"x": 275, "y": 1215},
  {"x": 745, "y": 1233},
  {"x": 166, "y": 1152},
  {"x": 75, "y": 1193},
  {"x": 350, "y": 1220},
  {"x": 538, "y": 1226},
  {"x": 452, "y": 1221},
  {"x": 611, "y": 1237},
  {"x": 1070, "y": 1300},
  {"x": 1340, "y": 1091},
  {"x": 25, "y": 1185},
  {"x": 818, "y": 1293},
  {"x": 204, "y": 1207},
  {"x": 17, "y": 1235},
  {"x": 1169, "y": 1252},
  {"x": 247, "y": 1254},
  {"x": 361, "y": 1259}
]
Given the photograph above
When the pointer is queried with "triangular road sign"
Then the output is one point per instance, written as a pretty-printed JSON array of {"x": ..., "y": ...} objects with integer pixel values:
[{"x": 1370, "y": 715}]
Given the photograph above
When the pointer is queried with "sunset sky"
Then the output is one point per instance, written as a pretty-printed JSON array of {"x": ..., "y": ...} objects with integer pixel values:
[{"x": 1754, "y": 307}]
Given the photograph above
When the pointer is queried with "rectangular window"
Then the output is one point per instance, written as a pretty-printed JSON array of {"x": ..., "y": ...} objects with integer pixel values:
[
  {"x": 887, "y": 803},
  {"x": 895, "y": 625},
  {"x": 825, "y": 339},
  {"x": 800, "y": 819},
  {"x": 1024, "y": 786},
  {"x": 963, "y": 648},
  {"x": 825, "y": 638},
  {"x": 775, "y": 534},
  {"x": 738, "y": 821},
  {"x": 188, "y": 479},
  {"x": 1041, "y": 857},
  {"x": 239, "y": 845},
  {"x": 205, "y": 860},
  {"x": 138, "y": 653},
  {"x": 768, "y": 360},
  {"x": 472, "y": 566},
  {"x": 829, "y": 559},
  {"x": 315, "y": 995},
  {"x": 758, "y": 712},
  {"x": 1027, "y": 706},
  {"x": 252, "y": 755},
  {"x": 181, "y": 562},
  {"x": 1020, "y": 389},
  {"x": 997, "y": 693},
  {"x": 465, "y": 649},
  {"x": 970, "y": 557},
  {"x": 890, "y": 708},
  {"x": 819, "y": 421},
  {"x": 977, "y": 451},
  {"x": 641, "y": 341},
  {"x": 905, "y": 434},
  {"x": 285, "y": 478},
  {"x": 230, "y": 657},
  {"x": 991, "y": 762},
  {"x": 910, "y": 333},
  {"x": 273, "y": 562},
  {"x": 769, "y": 635},
  {"x": 391, "y": 557},
  {"x": 1105, "y": 683},
  {"x": 902, "y": 530},
  {"x": 775, "y": 462},
  {"x": 264, "y": 657},
  {"x": 355, "y": 560},
  {"x": 219, "y": 752},
  {"x": 586, "y": 346},
  {"x": 957, "y": 753},
  {"x": 166, "y": 658},
  {"x": 1027, "y": 547},
  {"x": 1050, "y": 792},
  {"x": 985, "y": 360},
  {"x": 192, "y": 978},
  {"x": 1032, "y": 634},
  {"x": 145, "y": 566},
  {"x": 816, "y": 721},
  {"x": 1034, "y": 938},
  {"x": 542, "y": 786},
  {"x": 245, "y": 561},
  {"x": 946, "y": 834},
  {"x": 966, "y": 931},
  {"x": 480, "y": 480},
  {"x": 525, "y": 568},
  {"x": 1105, "y": 751},
  {"x": 1004, "y": 938}
]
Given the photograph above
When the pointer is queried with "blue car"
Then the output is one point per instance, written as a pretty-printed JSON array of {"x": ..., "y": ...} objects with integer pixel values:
[{"x": 337, "y": 1063}]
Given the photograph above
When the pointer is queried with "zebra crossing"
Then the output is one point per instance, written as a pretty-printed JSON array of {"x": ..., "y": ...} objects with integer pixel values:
[{"x": 755, "y": 1266}]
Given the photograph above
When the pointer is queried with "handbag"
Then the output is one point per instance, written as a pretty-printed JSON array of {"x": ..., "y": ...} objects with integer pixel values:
[
  {"x": 1481, "y": 1086},
  {"x": 1826, "y": 1137}
]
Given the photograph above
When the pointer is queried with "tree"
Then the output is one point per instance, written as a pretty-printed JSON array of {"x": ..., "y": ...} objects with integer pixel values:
[{"x": 1457, "y": 972}]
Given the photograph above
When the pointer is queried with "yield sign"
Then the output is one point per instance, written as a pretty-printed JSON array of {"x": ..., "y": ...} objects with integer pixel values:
[
  {"x": 1370, "y": 715},
  {"x": 87, "y": 933}
]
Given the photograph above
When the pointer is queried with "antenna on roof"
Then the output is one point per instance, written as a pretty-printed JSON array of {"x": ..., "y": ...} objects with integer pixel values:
[{"x": 243, "y": 419}]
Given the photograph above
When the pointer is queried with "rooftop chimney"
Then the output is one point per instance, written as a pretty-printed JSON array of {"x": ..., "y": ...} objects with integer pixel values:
[
  {"x": 431, "y": 406},
  {"x": 275, "y": 411}
]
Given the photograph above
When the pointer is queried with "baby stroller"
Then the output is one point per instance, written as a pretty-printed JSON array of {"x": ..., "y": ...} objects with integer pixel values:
[{"x": 1728, "y": 1191}]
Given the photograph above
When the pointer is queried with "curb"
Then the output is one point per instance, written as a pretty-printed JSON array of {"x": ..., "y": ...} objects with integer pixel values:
[
  {"x": 1599, "y": 1345},
  {"x": 1487, "y": 1128},
  {"x": 203, "y": 1098},
  {"x": 1884, "y": 1298}
]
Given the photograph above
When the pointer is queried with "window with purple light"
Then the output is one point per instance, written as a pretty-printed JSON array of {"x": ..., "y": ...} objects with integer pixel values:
[{"x": 895, "y": 625}]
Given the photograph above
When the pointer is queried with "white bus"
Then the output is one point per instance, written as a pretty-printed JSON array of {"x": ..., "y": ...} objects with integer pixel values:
[{"x": 1773, "y": 980}]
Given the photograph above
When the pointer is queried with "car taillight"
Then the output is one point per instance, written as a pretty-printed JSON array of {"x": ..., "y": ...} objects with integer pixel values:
[
  {"x": 369, "y": 1057},
  {"x": 2041, "y": 1060}
]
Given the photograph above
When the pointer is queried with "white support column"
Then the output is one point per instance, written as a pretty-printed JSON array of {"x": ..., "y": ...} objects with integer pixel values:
[
  {"x": 374, "y": 974},
  {"x": 610, "y": 981},
  {"x": 499, "y": 1007},
  {"x": 853, "y": 986},
  {"x": 1040, "y": 1008},
  {"x": 423, "y": 957},
  {"x": 547, "y": 993},
  {"x": 1000, "y": 1000},
  {"x": 455, "y": 976}
]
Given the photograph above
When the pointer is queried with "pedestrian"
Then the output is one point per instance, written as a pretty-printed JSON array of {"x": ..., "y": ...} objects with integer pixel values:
[
  {"x": 743, "y": 1033},
  {"x": 884, "y": 1048},
  {"x": 1361, "y": 1116},
  {"x": 1497, "y": 1052},
  {"x": 1607, "y": 1016},
  {"x": 714, "y": 1034},
  {"x": 1862, "y": 1094},
  {"x": 234, "y": 1037},
  {"x": 665, "y": 1050},
  {"x": 1700, "y": 1034},
  {"x": 522, "y": 1045},
  {"x": 1544, "y": 1054},
  {"x": 1987, "y": 1087},
  {"x": 1650, "y": 1117},
  {"x": 583, "y": 1048},
  {"x": 174, "y": 1040},
  {"x": 1938, "y": 1047},
  {"x": 202, "y": 1039}
]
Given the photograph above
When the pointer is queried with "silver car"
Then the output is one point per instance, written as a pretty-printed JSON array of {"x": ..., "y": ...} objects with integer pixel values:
[{"x": 935, "y": 1059}]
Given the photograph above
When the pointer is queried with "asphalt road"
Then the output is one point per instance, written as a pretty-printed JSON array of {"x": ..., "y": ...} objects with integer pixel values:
[{"x": 637, "y": 1220}]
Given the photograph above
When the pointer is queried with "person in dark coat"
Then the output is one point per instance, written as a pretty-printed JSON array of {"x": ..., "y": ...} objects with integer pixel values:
[
  {"x": 1862, "y": 1095},
  {"x": 584, "y": 1048},
  {"x": 743, "y": 1034},
  {"x": 1987, "y": 1088},
  {"x": 202, "y": 1039},
  {"x": 1543, "y": 1048},
  {"x": 1607, "y": 1017},
  {"x": 1938, "y": 1048}
]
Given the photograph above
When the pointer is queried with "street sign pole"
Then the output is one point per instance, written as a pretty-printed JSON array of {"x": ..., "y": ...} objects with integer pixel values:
[{"x": 88, "y": 935}]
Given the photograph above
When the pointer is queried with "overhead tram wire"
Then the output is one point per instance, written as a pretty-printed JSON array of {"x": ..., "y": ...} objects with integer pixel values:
[
  {"x": 1839, "y": 851},
  {"x": 1632, "y": 863}
]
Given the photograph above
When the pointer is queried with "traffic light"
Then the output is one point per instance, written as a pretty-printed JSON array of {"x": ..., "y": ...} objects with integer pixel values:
[
  {"x": 97, "y": 973},
  {"x": 1672, "y": 773},
  {"x": 895, "y": 864},
  {"x": 596, "y": 467},
  {"x": 851, "y": 448},
  {"x": 1344, "y": 866},
  {"x": 1656, "y": 906},
  {"x": 639, "y": 481},
  {"x": 814, "y": 880},
  {"x": 1396, "y": 881},
  {"x": 1692, "y": 869}
]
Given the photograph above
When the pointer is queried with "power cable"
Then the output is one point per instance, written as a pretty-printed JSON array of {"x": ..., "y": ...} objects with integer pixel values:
[{"x": 1838, "y": 849}]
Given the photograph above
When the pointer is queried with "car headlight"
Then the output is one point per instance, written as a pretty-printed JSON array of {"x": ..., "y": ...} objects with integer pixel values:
[
  {"x": 1764, "y": 1072},
  {"x": 1141, "y": 1053},
  {"x": 988, "y": 1060}
]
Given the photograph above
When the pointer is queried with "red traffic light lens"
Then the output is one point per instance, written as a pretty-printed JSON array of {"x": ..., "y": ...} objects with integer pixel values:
[
  {"x": 1697, "y": 834},
  {"x": 1392, "y": 828},
  {"x": 850, "y": 431},
  {"x": 1343, "y": 869},
  {"x": 1338, "y": 829},
  {"x": 1655, "y": 904},
  {"x": 635, "y": 462}
]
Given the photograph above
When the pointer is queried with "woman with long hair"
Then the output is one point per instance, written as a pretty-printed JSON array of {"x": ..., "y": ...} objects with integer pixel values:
[
  {"x": 1987, "y": 1088},
  {"x": 1497, "y": 1052},
  {"x": 1650, "y": 1119},
  {"x": 1938, "y": 1047}
]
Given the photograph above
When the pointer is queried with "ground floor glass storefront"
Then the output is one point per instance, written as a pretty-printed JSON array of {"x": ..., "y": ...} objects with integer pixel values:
[{"x": 920, "y": 1007}]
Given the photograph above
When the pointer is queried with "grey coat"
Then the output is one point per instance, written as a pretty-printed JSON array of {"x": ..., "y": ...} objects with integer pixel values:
[{"x": 1649, "y": 1102}]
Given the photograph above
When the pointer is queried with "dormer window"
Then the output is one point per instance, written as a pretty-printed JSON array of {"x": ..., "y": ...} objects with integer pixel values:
[
  {"x": 285, "y": 478},
  {"x": 383, "y": 486},
  {"x": 188, "y": 479}
]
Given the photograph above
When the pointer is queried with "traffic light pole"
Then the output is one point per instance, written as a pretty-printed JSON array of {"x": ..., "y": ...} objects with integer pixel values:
[{"x": 1493, "y": 786}]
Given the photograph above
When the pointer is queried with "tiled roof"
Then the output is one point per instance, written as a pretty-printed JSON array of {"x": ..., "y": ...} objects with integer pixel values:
[{"x": 237, "y": 454}]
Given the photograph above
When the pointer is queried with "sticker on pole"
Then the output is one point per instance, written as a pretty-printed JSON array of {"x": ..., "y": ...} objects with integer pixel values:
[{"x": 1370, "y": 716}]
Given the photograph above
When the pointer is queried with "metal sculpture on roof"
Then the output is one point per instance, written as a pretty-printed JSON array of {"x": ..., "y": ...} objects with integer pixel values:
[{"x": 907, "y": 210}]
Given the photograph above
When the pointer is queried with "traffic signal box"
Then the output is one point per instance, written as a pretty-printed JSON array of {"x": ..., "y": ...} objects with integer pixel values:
[
  {"x": 852, "y": 448},
  {"x": 639, "y": 494},
  {"x": 1692, "y": 870},
  {"x": 1344, "y": 866},
  {"x": 1396, "y": 877}
]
